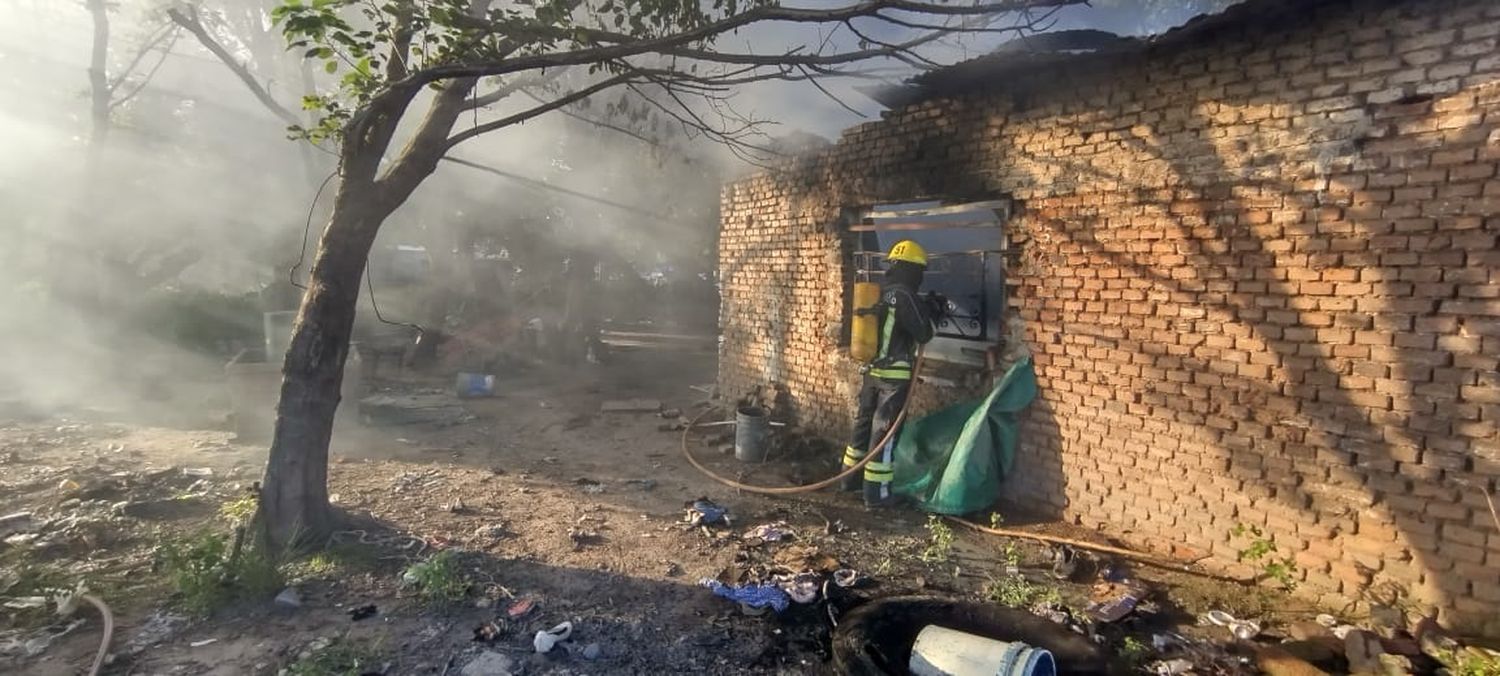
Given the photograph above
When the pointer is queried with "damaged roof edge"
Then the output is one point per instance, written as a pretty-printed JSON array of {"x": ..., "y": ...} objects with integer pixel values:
[{"x": 1022, "y": 59}]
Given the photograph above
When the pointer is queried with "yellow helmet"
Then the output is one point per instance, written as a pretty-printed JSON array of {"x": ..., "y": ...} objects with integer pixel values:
[{"x": 909, "y": 251}]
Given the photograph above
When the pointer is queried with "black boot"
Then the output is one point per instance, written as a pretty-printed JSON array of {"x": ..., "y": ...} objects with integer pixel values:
[{"x": 878, "y": 495}]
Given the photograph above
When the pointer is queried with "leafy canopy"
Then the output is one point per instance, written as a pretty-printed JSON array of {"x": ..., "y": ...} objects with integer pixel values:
[{"x": 371, "y": 44}]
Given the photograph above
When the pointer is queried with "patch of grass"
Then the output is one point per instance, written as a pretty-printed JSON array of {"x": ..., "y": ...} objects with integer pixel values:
[
  {"x": 207, "y": 575},
  {"x": 997, "y": 519},
  {"x": 939, "y": 541},
  {"x": 439, "y": 580},
  {"x": 1262, "y": 550},
  {"x": 1471, "y": 663},
  {"x": 341, "y": 657},
  {"x": 239, "y": 510},
  {"x": 1133, "y": 652},
  {"x": 1016, "y": 591}
]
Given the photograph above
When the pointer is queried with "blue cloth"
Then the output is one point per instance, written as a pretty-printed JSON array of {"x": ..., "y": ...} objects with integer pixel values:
[{"x": 753, "y": 595}]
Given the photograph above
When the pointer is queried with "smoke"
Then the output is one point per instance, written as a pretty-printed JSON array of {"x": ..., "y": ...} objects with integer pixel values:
[{"x": 136, "y": 263}]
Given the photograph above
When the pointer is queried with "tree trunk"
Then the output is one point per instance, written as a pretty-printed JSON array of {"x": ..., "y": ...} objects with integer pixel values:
[{"x": 294, "y": 496}]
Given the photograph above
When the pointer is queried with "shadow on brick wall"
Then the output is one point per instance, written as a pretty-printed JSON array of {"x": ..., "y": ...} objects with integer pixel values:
[{"x": 1252, "y": 300}]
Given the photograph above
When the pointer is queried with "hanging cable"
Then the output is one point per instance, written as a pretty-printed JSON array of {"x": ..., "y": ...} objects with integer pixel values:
[
  {"x": 370, "y": 288},
  {"x": 307, "y": 231}
]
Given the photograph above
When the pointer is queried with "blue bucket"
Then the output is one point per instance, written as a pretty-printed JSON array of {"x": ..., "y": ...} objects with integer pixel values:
[{"x": 475, "y": 385}]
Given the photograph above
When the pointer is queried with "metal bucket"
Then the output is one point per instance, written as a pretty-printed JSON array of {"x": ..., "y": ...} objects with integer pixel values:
[
  {"x": 278, "y": 330},
  {"x": 751, "y": 434},
  {"x": 939, "y": 650}
]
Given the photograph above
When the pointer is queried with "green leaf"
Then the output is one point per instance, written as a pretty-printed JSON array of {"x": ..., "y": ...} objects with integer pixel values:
[{"x": 331, "y": 66}]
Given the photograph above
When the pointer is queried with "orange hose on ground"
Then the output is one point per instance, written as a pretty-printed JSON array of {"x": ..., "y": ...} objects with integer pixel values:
[{"x": 793, "y": 490}]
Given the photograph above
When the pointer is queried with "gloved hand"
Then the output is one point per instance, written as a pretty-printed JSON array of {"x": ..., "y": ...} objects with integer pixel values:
[{"x": 937, "y": 305}]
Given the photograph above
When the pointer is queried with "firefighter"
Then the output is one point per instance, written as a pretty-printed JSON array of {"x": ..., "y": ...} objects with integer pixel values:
[{"x": 905, "y": 321}]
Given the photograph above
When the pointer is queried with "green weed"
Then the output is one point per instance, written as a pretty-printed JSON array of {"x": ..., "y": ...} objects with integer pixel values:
[
  {"x": 1016, "y": 591},
  {"x": 207, "y": 575},
  {"x": 1133, "y": 652},
  {"x": 439, "y": 580},
  {"x": 239, "y": 511},
  {"x": 939, "y": 542},
  {"x": 996, "y": 519},
  {"x": 1472, "y": 663},
  {"x": 1262, "y": 550},
  {"x": 341, "y": 657}
]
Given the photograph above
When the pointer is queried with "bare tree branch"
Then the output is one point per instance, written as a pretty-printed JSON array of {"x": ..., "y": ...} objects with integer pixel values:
[
  {"x": 538, "y": 110},
  {"x": 677, "y": 44},
  {"x": 122, "y": 99},
  {"x": 600, "y": 123},
  {"x": 511, "y": 87},
  {"x": 187, "y": 17},
  {"x": 160, "y": 34},
  {"x": 397, "y": 66}
]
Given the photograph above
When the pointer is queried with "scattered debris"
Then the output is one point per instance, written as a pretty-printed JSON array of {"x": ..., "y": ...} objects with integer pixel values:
[
  {"x": 806, "y": 558},
  {"x": 590, "y": 486},
  {"x": 671, "y": 413},
  {"x": 642, "y": 484},
  {"x": 1363, "y": 650},
  {"x": 36, "y": 643},
  {"x": 159, "y": 627},
  {"x": 289, "y": 598},
  {"x": 1243, "y": 630},
  {"x": 413, "y": 409},
  {"x": 521, "y": 608},
  {"x": 704, "y": 512},
  {"x": 489, "y": 631},
  {"x": 770, "y": 532},
  {"x": 198, "y": 471},
  {"x": 364, "y": 612},
  {"x": 750, "y": 595},
  {"x": 26, "y": 602},
  {"x": 1114, "y": 602},
  {"x": 802, "y": 587},
  {"x": 19, "y": 522},
  {"x": 204, "y": 642},
  {"x": 407, "y": 481},
  {"x": 631, "y": 406},
  {"x": 1064, "y": 562},
  {"x": 849, "y": 578},
  {"x": 591, "y": 652},
  {"x": 583, "y": 537},
  {"x": 494, "y": 531},
  {"x": 489, "y": 663},
  {"x": 547, "y": 639},
  {"x": 456, "y": 506}
]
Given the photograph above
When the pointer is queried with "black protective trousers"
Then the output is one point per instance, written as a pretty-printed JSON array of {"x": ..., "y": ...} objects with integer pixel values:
[{"x": 880, "y": 401}]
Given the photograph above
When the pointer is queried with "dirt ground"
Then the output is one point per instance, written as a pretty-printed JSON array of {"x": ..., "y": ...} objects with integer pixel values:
[{"x": 544, "y": 498}]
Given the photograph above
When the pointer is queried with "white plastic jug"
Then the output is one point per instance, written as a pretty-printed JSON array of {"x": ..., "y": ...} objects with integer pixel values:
[{"x": 940, "y": 651}]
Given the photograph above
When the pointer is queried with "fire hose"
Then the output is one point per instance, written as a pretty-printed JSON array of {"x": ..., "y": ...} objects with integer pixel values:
[{"x": 870, "y": 453}]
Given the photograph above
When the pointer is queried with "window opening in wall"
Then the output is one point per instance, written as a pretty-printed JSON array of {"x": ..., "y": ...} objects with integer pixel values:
[{"x": 965, "y": 246}]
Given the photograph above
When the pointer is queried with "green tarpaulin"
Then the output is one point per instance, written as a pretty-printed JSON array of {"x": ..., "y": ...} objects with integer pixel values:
[{"x": 952, "y": 461}]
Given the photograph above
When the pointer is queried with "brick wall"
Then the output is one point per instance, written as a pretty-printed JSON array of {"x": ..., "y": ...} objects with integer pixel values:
[{"x": 1259, "y": 275}]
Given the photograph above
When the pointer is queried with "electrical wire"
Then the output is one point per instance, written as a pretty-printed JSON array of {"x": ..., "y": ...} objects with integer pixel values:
[
  {"x": 370, "y": 289},
  {"x": 307, "y": 231}
]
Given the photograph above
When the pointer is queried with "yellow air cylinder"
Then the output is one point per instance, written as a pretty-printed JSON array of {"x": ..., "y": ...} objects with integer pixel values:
[{"x": 864, "y": 329}]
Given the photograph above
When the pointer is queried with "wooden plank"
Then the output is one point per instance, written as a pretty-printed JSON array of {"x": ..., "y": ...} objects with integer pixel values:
[
  {"x": 1002, "y": 206},
  {"x": 934, "y": 225}
]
